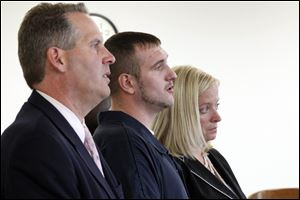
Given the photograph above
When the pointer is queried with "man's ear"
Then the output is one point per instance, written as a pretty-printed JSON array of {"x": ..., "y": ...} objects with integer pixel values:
[
  {"x": 55, "y": 56},
  {"x": 126, "y": 82}
]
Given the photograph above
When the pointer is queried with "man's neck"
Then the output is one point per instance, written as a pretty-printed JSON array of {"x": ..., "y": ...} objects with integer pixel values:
[
  {"x": 138, "y": 112},
  {"x": 64, "y": 97}
]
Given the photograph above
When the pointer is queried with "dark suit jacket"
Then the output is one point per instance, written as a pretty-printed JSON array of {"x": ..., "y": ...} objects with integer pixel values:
[
  {"x": 138, "y": 160},
  {"x": 202, "y": 184},
  {"x": 43, "y": 157}
]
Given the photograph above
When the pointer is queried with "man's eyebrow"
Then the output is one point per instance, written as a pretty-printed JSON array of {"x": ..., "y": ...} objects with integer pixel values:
[
  {"x": 96, "y": 40},
  {"x": 158, "y": 62}
]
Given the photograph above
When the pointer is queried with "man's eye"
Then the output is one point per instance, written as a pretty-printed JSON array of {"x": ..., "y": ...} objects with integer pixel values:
[
  {"x": 96, "y": 44},
  {"x": 158, "y": 66}
]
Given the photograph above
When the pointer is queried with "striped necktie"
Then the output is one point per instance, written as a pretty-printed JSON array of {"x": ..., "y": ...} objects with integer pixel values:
[{"x": 90, "y": 146}]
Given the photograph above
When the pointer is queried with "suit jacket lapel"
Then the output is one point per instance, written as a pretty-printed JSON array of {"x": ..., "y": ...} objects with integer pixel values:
[
  {"x": 94, "y": 169},
  {"x": 226, "y": 173},
  {"x": 68, "y": 132},
  {"x": 201, "y": 172}
]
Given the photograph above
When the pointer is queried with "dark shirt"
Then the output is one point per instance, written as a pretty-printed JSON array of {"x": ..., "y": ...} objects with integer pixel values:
[{"x": 138, "y": 160}]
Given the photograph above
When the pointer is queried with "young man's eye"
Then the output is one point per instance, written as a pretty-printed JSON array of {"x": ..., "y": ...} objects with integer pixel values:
[{"x": 158, "y": 66}]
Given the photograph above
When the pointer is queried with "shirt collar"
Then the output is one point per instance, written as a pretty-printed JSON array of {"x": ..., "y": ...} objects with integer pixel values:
[
  {"x": 68, "y": 115},
  {"x": 111, "y": 117}
]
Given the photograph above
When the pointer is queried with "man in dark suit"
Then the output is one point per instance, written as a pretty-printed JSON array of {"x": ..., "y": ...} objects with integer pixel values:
[
  {"x": 141, "y": 86},
  {"x": 45, "y": 152}
]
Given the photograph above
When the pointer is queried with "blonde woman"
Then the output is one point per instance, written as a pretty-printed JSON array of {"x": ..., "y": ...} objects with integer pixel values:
[{"x": 187, "y": 128}]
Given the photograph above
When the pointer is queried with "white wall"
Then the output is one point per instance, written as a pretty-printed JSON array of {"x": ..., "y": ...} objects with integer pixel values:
[{"x": 252, "y": 47}]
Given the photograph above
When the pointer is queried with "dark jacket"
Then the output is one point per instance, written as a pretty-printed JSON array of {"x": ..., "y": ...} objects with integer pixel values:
[
  {"x": 138, "y": 160},
  {"x": 43, "y": 157},
  {"x": 202, "y": 184}
]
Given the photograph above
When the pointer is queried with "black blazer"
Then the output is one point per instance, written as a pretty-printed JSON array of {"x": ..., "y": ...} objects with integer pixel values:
[
  {"x": 202, "y": 184},
  {"x": 43, "y": 157},
  {"x": 138, "y": 160}
]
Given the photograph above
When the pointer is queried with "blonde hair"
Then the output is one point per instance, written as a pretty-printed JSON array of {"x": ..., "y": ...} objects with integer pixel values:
[{"x": 178, "y": 127}]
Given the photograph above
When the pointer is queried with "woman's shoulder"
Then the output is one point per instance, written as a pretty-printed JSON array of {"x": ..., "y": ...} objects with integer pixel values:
[
  {"x": 214, "y": 152},
  {"x": 216, "y": 157},
  {"x": 184, "y": 161}
]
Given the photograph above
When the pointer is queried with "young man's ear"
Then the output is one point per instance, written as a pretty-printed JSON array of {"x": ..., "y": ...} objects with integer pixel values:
[
  {"x": 126, "y": 82},
  {"x": 56, "y": 58}
]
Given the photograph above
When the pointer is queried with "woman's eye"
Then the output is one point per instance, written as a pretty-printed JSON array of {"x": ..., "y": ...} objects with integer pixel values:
[{"x": 204, "y": 109}]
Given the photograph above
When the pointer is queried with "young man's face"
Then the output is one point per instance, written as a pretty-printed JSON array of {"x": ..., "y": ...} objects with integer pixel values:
[{"x": 156, "y": 79}]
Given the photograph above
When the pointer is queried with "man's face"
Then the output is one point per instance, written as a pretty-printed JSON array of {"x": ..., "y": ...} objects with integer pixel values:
[
  {"x": 89, "y": 60},
  {"x": 156, "y": 79}
]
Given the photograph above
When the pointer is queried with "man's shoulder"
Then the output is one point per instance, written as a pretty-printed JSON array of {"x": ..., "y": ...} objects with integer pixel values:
[{"x": 116, "y": 130}]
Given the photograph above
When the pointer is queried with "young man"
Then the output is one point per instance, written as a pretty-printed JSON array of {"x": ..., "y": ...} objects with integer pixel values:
[
  {"x": 47, "y": 152},
  {"x": 141, "y": 86}
]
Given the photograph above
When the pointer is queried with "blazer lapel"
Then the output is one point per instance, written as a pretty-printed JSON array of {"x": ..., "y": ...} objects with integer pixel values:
[
  {"x": 225, "y": 171},
  {"x": 68, "y": 132},
  {"x": 201, "y": 172},
  {"x": 110, "y": 178},
  {"x": 93, "y": 168}
]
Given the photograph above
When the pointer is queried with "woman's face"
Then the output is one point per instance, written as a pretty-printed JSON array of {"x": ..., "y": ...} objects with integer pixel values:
[{"x": 209, "y": 116}]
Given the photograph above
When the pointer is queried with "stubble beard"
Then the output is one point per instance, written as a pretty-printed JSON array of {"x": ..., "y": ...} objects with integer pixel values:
[{"x": 149, "y": 100}]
